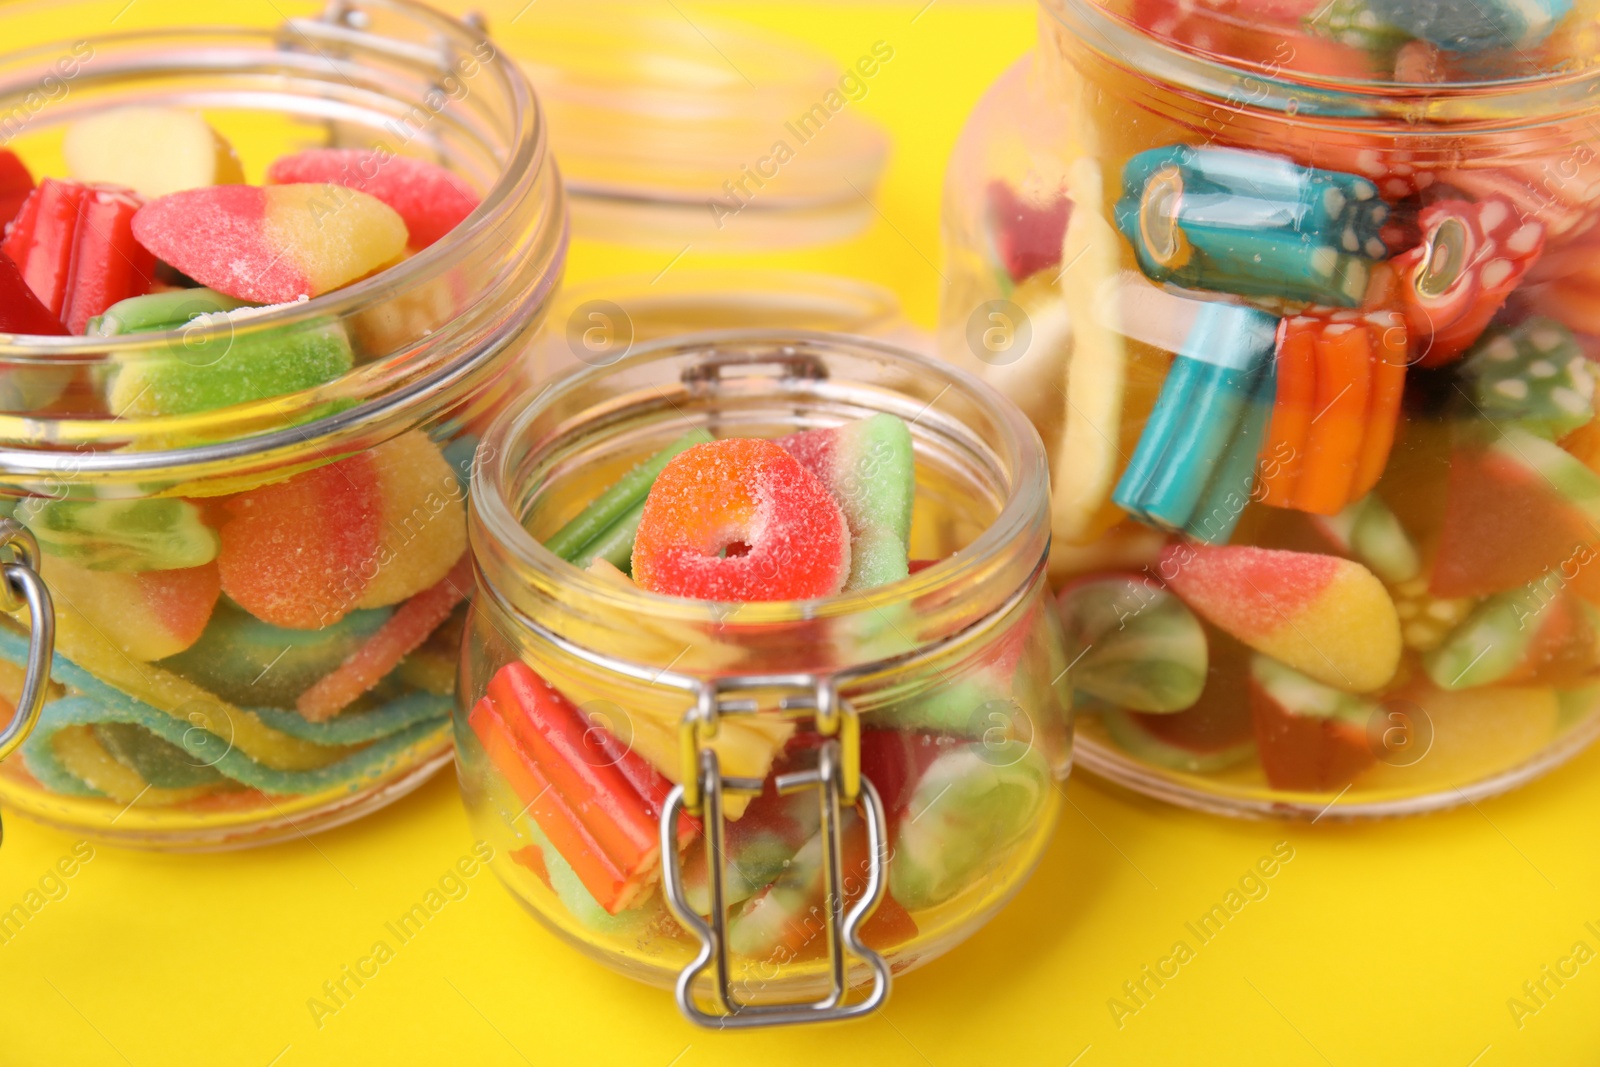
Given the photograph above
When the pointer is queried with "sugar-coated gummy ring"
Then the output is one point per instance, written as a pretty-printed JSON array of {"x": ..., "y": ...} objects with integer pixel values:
[{"x": 741, "y": 519}]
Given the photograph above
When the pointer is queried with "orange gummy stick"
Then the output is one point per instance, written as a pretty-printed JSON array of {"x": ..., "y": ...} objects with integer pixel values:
[
  {"x": 1389, "y": 357},
  {"x": 1284, "y": 453},
  {"x": 1344, "y": 382}
]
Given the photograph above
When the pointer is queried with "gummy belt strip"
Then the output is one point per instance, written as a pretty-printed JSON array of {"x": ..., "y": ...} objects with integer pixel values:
[
  {"x": 394, "y": 726},
  {"x": 355, "y": 770}
]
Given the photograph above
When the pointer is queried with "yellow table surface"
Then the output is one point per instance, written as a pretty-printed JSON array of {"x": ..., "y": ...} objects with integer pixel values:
[{"x": 1393, "y": 943}]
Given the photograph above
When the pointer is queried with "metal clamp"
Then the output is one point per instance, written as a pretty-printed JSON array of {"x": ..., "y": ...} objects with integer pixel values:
[
  {"x": 21, "y": 585},
  {"x": 837, "y": 777}
]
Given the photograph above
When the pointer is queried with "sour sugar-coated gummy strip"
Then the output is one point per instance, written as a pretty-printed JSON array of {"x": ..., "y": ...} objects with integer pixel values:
[
  {"x": 355, "y": 727},
  {"x": 406, "y": 629},
  {"x": 607, "y": 882},
  {"x": 352, "y": 770},
  {"x": 611, "y": 505},
  {"x": 1285, "y": 450},
  {"x": 1344, "y": 382},
  {"x": 559, "y": 737},
  {"x": 1389, "y": 360},
  {"x": 82, "y": 756},
  {"x": 88, "y": 664}
]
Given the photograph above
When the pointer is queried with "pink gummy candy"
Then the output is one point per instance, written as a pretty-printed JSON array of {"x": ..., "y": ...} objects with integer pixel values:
[
  {"x": 1327, "y": 617},
  {"x": 271, "y": 245},
  {"x": 430, "y": 199},
  {"x": 737, "y": 520}
]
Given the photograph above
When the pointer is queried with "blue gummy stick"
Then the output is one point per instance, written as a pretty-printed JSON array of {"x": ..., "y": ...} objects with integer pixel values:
[{"x": 1225, "y": 499}]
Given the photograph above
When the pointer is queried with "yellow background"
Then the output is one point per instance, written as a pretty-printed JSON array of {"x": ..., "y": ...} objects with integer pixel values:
[{"x": 1394, "y": 943}]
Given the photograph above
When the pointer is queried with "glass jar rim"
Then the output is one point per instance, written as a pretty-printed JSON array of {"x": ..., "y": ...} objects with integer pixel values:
[
  {"x": 68, "y": 440},
  {"x": 1488, "y": 105},
  {"x": 491, "y": 515}
]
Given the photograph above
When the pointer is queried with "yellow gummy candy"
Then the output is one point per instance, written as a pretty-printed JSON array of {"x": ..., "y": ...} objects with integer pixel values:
[{"x": 334, "y": 235}]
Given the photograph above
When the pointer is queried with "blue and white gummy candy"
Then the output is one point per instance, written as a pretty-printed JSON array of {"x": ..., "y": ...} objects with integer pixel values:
[
  {"x": 1194, "y": 467},
  {"x": 1250, "y": 223}
]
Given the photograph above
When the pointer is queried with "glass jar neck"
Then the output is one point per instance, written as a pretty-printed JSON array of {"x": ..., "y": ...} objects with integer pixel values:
[
  {"x": 1281, "y": 70},
  {"x": 427, "y": 331},
  {"x": 980, "y": 465}
]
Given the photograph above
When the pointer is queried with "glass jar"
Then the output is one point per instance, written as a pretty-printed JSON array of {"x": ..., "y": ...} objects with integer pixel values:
[
  {"x": 938, "y": 694},
  {"x": 214, "y": 569},
  {"x": 1301, "y": 298}
]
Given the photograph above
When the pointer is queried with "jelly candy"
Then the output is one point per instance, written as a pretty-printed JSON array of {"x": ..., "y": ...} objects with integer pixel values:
[
  {"x": 597, "y": 802},
  {"x": 1194, "y": 467},
  {"x": 75, "y": 246},
  {"x": 152, "y": 150},
  {"x": 1310, "y": 737},
  {"x": 1131, "y": 643},
  {"x": 160, "y": 763},
  {"x": 423, "y": 520},
  {"x": 219, "y": 361},
  {"x": 1326, "y": 617},
  {"x": 1530, "y": 635},
  {"x": 1370, "y": 533},
  {"x": 1514, "y": 510},
  {"x": 1476, "y": 733},
  {"x": 148, "y": 615},
  {"x": 21, "y": 311},
  {"x": 741, "y": 519},
  {"x": 1253, "y": 224},
  {"x": 781, "y": 923},
  {"x": 15, "y": 185},
  {"x": 254, "y": 664},
  {"x": 397, "y": 638},
  {"x": 432, "y": 200},
  {"x": 292, "y": 551},
  {"x": 272, "y": 245},
  {"x": 1533, "y": 375},
  {"x": 1025, "y": 235},
  {"x": 605, "y": 528},
  {"x": 969, "y": 807},
  {"x": 868, "y": 466},
  {"x": 1472, "y": 255},
  {"x": 370, "y": 530},
  {"x": 1473, "y": 25},
  {"x": 149, "y": 534},
  {"x": 759, "y": 846},
  {"x": 1339, "y": 382}
]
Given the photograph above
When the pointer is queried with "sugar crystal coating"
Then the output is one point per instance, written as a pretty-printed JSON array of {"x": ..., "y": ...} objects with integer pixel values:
[{"x": 740, "y": 519}]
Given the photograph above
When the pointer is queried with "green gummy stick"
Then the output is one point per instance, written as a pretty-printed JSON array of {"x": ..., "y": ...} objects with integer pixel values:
[
  {"x": 615, "y": 543},
  {"x": 160, "y": 311},
  {"x": 609, "y": 507}
]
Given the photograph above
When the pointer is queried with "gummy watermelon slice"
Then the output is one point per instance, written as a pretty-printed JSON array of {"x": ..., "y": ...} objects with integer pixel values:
[{"x": 1515, "y": 512}]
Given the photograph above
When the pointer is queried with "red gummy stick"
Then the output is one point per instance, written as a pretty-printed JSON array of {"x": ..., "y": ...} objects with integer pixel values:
[
  {"x": 597, "y": 801},
  {"x": 20, "y": 310},
  {"x": 74, "y": 244},
  {"x": 15, "y": 185},
  {"x": 381, "y": 653}
]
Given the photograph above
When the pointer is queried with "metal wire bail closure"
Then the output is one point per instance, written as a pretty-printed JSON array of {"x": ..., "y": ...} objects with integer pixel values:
[
  {"x": 21, "y": 587},
  {"x": 837, "y": 778}
]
